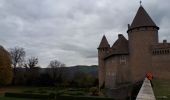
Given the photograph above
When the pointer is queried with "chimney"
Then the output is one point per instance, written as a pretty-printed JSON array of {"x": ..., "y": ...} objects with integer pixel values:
[
  {"x": 128, "y": 26},
  {"x": 120, "y": 35},
  {"x": 164, "y": 41}
]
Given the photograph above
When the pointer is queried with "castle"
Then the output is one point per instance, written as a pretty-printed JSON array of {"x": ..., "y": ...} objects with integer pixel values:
[{"x": 129, "y": 60}]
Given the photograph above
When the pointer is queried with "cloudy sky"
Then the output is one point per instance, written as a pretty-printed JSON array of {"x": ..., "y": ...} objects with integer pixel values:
[{"x": 71, "y": 30}]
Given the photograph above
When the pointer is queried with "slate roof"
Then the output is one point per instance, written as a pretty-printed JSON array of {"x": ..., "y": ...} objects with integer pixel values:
[
  {"x": 142, "y": 19},
  {"x": 119, "y": 47},
  {"x": 104, "y": 43},
  {"x": 121, "y": 44}
]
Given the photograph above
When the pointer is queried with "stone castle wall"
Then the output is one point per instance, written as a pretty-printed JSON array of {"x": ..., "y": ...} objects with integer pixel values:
[
  {"x": 101, "y": 68},
  {"x": 123, "y": 69},
  {"x": 161, "y": 66},
  {"x": 117, "y": 70},
  {"x": 111, "y": 71}
]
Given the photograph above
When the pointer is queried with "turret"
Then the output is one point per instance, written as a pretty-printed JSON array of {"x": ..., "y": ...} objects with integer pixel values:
[
  {"x": 142, "y": 33},
  {"x": 102, "y": 50}
]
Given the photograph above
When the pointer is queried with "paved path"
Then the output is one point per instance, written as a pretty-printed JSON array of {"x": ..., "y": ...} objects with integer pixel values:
[{"x": 146, "y": 91}]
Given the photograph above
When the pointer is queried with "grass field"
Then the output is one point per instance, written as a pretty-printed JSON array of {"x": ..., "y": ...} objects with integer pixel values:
[{"x": 161, "y": 89}]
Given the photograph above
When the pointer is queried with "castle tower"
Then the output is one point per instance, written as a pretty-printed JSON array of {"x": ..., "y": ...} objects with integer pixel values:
[
  {"x": 102, "y": 50},
  {"x": 142, "y": 33}
]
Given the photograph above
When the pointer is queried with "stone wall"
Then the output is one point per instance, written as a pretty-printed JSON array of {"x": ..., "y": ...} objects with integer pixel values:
[
  {"x": 111, "y": 71},
  {"x": 123, "y": 71},
  {"x": 161, "y": 66},
  {"x": 117, "y": 70},
  {"x": 101, "y": 68}
]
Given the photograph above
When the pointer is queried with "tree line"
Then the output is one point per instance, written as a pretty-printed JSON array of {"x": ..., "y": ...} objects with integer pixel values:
[{"x": 28, "y": 72}]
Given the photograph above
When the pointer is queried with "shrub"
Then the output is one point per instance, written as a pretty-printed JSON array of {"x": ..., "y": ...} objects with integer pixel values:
[
  {"x": 24, "y": 95},
  {"x": 81, "y": 98},
  {"x": 94, "y": 91}
]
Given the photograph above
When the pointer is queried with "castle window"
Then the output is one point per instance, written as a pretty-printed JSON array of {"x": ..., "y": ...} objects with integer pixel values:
[
  {"x": 122, "y": 59},
  {"x": 153, "y": 52},
  {"x": 163, "y": 51},
  {"x": 159, "y": 51}
]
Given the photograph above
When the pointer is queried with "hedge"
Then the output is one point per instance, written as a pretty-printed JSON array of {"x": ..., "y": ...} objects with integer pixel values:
[
  {"x": 81, "y": 98},
  {"x": 26, "y": 95},
  {"x": 53, "y": 97}
]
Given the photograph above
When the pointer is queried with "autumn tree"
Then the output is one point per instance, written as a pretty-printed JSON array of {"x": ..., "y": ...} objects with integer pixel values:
[
  {"x": 6, "y": 73},
  {"x": 56, "y": 70},
  {"x": 17, "y": 56}
]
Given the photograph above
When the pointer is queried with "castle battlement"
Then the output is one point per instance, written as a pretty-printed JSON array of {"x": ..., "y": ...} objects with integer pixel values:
[{"x": 161, "y": 48}]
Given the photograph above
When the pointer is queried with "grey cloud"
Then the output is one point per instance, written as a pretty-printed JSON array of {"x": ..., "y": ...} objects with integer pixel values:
[{"x": 71, "y": 30}]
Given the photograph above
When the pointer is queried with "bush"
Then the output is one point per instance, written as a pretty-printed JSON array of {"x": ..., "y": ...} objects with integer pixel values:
[
  {"x": 24, "y": 95},
  {"x": 94, "y": 91},
  {"x": 41, "y": 91},
  {"x": 81, "y": 98},
  {"x": 28, "y": 91}
]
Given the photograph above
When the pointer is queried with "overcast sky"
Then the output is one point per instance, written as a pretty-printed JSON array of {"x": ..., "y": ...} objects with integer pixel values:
[{"x": 71, "y": 30}]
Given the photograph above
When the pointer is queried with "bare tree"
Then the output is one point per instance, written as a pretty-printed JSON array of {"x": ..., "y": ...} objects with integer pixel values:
[
  {"x": 32, "y": 62},
  {"x": 56, "y": 70},
  {"x": 32, "y": 70},
  {"x": 17, "y": 56}
]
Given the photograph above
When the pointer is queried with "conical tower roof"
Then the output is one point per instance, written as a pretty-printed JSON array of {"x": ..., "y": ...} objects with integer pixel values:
[
  {"x": 142, "y": 19},
  {"x": 104, "y": 43}
]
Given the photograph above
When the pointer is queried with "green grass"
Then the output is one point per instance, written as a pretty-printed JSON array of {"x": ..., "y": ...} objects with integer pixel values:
[{"x": 161, "y": 89}]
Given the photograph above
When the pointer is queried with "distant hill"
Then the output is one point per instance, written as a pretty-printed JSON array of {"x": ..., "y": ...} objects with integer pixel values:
[
  {"x": 92, "y": 70},
  {"x": 72, "y": 70}
]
